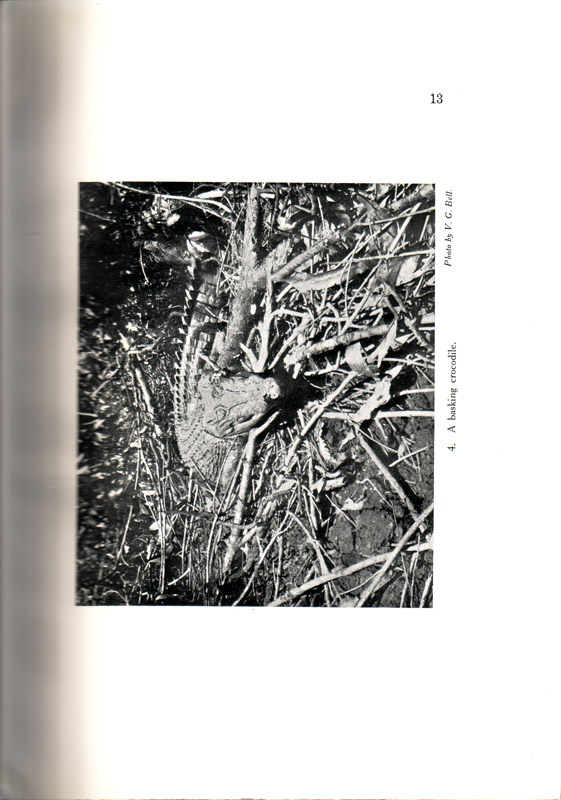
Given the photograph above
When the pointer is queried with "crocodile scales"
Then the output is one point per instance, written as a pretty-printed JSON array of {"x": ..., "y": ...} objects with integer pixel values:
[{"x": 213, "y": 409}]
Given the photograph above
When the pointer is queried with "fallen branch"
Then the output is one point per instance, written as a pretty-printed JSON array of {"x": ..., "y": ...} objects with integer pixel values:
[{"x": 304, "y": 351}]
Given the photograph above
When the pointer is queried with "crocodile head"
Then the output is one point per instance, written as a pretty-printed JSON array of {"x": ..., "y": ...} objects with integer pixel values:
[{"x": 233, "y": 404}]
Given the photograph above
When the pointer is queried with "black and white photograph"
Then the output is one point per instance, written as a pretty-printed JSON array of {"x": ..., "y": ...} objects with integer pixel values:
[{"x": 256, "y": 394}]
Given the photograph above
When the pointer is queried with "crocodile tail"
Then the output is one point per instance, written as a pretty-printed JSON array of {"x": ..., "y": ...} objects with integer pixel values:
[{"x": 200, "y": 322}]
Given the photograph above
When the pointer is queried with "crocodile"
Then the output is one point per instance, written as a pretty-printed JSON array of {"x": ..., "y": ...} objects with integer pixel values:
[{"x": 213, "y": 408}]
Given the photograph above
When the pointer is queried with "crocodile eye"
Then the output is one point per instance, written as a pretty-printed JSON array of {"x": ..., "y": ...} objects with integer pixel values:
[
  {"x": 271, "y": 389},
  {"x": 220, "y": 413}
]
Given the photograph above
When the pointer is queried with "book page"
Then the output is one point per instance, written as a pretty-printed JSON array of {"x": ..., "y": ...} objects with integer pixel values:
[{"x": 368, "y": 607}]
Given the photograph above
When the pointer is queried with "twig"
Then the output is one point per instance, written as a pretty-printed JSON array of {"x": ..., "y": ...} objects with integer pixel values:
[
  {"x": 313, "y": 541},
  {"x": 306, "y": 281},
  {"x": 97, "y": 216},
  {"x": 265, "y": 330},
  {"x": 393, "y": 555},
  {"x": 426, "y": 590},
  {"x": 408, "y": 455},
  {"x": 423, "y": 193},
  {"x": 388, "y": 475},
  {"x": 383, "y": 414},
  {"x": 242, "y": 495},
  {"x": 118, "y": 556},
  {"x": 404, "y": 413},
  {"x": 332, "y": 342},
  {"x": 341, "y": 572},
  {"x": 256, "y": 568},
  {"x": 147, "y": 399},
  {"x": 315, "y": 249},
  {"x": 195, "y": 201},
  {"x": 314, "y": 418},
  {"x": 407, "y": 319}
]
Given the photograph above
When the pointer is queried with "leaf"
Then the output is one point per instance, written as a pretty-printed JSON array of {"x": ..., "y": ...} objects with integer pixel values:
[
  {"x": 380, "y": 396},
  {"x": 356, "y": 359},
  {"x": 172, "y": 219},
  {"x": 212, "y": 194},
  {"x": 328, "y": 484},
  {"x": 352, "y": 505},
  {"x": 319, "y": 282},
  {"x": 385, "y": 345},
  {"x": 287, "y": 486},
  {"x": 407, "y": 269}
]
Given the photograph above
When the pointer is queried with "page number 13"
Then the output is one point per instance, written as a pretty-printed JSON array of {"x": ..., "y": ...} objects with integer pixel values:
[{"x": 436, "y": 98}]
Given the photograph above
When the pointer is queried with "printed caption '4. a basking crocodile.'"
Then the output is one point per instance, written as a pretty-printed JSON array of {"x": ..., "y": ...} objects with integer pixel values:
[{"x": 213, "y": 409}]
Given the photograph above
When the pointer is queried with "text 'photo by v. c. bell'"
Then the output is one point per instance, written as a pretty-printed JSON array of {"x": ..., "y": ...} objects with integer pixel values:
[{"x": 256, "y": 394}]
